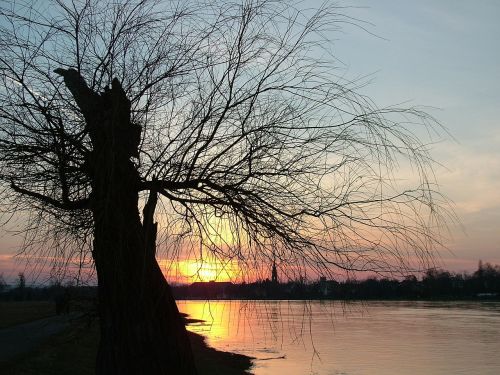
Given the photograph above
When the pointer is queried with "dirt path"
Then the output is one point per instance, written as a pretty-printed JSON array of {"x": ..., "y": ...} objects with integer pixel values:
[{"x": 25, "y": 337}]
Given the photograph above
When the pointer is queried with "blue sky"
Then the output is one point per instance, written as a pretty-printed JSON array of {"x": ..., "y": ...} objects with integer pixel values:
[{"x": 445, "y": 55}]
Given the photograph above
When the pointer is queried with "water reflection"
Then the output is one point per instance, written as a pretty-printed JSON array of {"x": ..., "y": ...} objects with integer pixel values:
[{"x": 404, "y": 338}]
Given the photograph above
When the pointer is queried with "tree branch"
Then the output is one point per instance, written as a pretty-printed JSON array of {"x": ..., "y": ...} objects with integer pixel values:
[{"x": 68, "y": 205}]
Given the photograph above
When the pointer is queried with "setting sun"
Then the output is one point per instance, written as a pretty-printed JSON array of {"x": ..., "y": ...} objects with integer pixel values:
[{"x": 193, "y": 270}]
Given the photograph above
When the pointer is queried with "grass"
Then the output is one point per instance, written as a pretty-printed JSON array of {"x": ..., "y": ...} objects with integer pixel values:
[
  {"x": 74, "y": 351},
  {"x": 18, "y": 312}
]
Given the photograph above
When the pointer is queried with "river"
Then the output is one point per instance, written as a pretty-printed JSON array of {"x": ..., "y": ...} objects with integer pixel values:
[{"x": 361, "y": 338}]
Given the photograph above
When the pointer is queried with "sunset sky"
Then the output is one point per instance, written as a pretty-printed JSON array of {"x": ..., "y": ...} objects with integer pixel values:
[{"x": 443, "y": 55}]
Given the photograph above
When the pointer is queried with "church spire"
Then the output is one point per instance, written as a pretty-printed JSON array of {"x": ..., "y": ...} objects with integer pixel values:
[{"x": 274, "y": 273}]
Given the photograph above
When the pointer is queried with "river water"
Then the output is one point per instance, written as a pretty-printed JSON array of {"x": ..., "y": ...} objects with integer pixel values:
[{"x": 369, "y": 338}]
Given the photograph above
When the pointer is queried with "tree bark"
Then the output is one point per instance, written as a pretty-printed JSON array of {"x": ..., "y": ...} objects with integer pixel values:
[{"x": 142, "y": 331}]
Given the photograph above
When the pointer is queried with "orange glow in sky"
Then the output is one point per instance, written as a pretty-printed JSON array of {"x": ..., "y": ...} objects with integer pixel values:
[{"x": 192, "y": 270}]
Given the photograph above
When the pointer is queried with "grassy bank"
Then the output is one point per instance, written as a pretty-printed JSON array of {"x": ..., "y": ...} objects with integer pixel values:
[
  {"x": 74, "y": 352},
  {"x": 18, "y": 312}
]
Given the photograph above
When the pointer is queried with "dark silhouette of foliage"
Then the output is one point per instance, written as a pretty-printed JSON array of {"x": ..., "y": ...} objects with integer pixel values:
[
  {"x": 21, "y": 281},
  {"x": 445, "y": 286},
  {"x": 435, "y": 284},
  {"x": 211, "y": 128},
  {"x": 3, "y": 283}
]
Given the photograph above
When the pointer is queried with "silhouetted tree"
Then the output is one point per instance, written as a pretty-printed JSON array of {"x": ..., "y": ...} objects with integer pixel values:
[
  {"x": 21, "y": 281},
  {"x": 3, "y": 284},
  {"x": 218, "y": 117},
  {"x": 486, "y": 278},
  {"x": 437, "y": 282}
]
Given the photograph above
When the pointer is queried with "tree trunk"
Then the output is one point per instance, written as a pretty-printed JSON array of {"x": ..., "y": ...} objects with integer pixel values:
[{"x": 142, "y": 331}]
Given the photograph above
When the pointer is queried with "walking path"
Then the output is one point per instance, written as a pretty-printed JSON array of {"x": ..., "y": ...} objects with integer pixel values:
[{"x": 25, "y": 337}]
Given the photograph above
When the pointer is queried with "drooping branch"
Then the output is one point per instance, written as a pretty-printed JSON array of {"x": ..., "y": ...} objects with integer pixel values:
[
  {"x": 44, "y": 199},
  {"x": 237, "y": 112}
]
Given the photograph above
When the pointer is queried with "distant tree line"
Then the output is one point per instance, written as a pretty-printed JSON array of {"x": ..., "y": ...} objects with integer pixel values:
[
  {"x": 21, "y": 291},
  {"x": 434, "y": 284}
]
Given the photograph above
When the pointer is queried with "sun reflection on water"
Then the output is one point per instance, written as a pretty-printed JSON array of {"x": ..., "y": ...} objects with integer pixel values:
[
  {"x": 239, "y": 326},
  {"x": 376, "y": 338}
]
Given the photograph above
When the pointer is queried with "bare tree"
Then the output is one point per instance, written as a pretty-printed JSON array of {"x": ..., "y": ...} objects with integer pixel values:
[
  {"x": 3, "y": 284},
  {"x": 213, "y": 117}
]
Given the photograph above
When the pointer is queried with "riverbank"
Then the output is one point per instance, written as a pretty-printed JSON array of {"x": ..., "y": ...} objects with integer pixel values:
[{"x": 73, "y": 351}]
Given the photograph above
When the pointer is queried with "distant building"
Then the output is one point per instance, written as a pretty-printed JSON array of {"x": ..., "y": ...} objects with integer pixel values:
[{"x": 274, "y": 273}]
